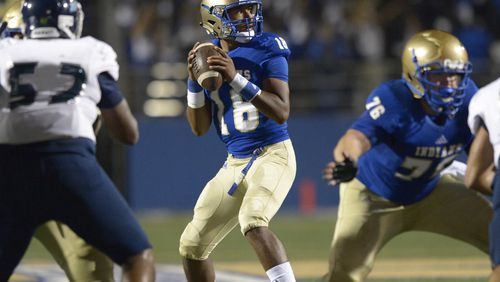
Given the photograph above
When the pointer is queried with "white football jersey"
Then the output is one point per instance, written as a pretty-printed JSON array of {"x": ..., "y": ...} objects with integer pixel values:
[
  {"x": 49, "y": 88},
  {"x": 485, "y": 106}
]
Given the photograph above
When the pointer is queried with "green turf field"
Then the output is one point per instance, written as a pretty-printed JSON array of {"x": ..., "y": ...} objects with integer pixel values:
[{"x": 307, "y": 239}]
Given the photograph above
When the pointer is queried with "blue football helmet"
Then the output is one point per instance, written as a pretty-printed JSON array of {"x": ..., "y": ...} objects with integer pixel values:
[
  {"x": 52, "y": 19},
  {"x": 436, "y": 52},
  {"x": 217, "y": 22}
]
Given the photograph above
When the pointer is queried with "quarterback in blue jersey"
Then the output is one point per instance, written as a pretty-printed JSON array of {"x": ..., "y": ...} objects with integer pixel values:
[
  {"x": 249, "y": 112},
  {"x": 51, "y": 92},
  {"x": 389, "y": 161}
]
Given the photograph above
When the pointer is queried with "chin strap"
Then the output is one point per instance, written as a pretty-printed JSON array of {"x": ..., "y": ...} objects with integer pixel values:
[{"x": 244, "y": 36}]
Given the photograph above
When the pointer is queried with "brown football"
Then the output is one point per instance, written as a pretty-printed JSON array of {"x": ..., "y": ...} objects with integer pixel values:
[{"x": 208, "y": 79}]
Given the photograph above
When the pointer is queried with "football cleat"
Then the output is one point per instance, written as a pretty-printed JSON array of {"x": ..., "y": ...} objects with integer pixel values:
[
  {"x": 436, "y": 52},
  {"x": 52, "y": 19},
  {"x": 217, "y": 21}
]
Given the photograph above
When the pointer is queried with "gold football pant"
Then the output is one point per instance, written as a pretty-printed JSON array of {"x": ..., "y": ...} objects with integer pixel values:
[
  {"x": 80, "y": 261},
  {"x": 366, "y": 222},
  {"x": 255, "y": 202}
]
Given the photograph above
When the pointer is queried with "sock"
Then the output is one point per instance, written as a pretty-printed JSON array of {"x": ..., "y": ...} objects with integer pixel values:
[{"x": 281, "y": 273}]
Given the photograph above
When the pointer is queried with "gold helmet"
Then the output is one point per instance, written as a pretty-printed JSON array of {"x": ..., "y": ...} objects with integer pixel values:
[
  {"x": 438, "y": 52},
  {"x": 217, "y": 23},
  {"x": 12, "y": 20}
]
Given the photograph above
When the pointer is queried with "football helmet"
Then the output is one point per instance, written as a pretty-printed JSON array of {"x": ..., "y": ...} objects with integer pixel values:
[
  {"x": 217, "y": 22},
  {"x": 52, "y": 19},
  {"x": 436, "y": 52},
  {"x": 12, "y": 21}
]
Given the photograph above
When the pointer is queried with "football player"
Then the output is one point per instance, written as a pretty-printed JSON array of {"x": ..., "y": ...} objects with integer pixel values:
[
  {"x": 389, "y": 161},
  {"x": 79, "y": 260},
  {"x": 484, "y": 121},
  {"x": 250, "y": 113},
  {"x": 47, "y": 144}
]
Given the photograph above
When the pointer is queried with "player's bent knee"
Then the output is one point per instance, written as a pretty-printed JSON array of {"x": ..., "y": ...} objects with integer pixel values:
[
  {"x": 193, "y": 252},
  {"x": 190, "y": 246}
]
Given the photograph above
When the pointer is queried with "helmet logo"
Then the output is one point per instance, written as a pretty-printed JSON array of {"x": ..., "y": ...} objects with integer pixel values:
[
  {"x": 454, "y": 64},
  {"x": 218, "y": 11}
]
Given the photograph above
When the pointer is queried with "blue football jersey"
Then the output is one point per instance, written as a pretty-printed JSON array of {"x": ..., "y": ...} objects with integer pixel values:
[
  {"x": 408, "y": 148},
  {"x": 239, "y": 124}
]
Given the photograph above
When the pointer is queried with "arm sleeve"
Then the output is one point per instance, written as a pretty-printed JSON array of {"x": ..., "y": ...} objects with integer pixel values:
[
  {"x": 380, "y": 118},
  {"x": 276, "y": 67},
  {"x": 111, "y": 94}
]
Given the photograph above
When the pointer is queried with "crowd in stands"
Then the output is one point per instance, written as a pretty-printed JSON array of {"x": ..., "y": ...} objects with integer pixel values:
[{"x": 317, "y": 30}]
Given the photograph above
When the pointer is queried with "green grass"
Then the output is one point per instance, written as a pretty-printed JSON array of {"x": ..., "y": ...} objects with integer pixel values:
[{"x": 305, "y": 238}]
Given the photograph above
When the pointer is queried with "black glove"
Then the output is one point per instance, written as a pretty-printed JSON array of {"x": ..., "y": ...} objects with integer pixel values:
[{"x": 344, "y": 171}]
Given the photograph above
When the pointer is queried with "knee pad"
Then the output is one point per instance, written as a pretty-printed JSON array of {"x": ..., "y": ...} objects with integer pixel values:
[{"x": 190, "y": 246}]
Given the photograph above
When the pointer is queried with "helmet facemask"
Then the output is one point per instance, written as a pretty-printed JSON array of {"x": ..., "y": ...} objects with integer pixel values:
[
  {"x": 240, "y": 30},
  {"x": 443, "y": 99}
]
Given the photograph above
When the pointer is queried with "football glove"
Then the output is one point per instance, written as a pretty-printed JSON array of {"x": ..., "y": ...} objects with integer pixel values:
[{"x": 344, "y": 171}]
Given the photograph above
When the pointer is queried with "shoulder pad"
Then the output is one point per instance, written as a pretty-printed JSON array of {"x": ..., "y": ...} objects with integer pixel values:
[
  {"x": 103, "y": 57},
  {"x": 476, "y": 108},
  {"x": 7, "y": 42},
  {"x": 393, "y": 95},
  {"x": 389, "y": 104},
  {"x": 273, "y": 45}
]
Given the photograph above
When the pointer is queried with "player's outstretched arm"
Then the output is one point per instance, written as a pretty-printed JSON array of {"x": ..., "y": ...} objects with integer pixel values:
[
  {"x": 480, "y": 166},
  {"x": 350, "y": 147},
  {"x": 353, "y": 144},
  {"x": 121, "y": 123}
]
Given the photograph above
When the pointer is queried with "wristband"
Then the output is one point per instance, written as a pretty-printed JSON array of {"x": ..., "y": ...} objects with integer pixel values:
[
  {"x": 246, "y": 89},
  {"x": 195, "y": 95},
  {"x": 193, "y": 86}
]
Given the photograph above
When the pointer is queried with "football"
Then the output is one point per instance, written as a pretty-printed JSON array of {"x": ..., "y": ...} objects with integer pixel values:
[{"x": 208, "y": 79}]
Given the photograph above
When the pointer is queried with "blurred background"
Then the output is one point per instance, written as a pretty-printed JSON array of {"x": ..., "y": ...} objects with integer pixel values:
[{"x": 341, "y": 49}]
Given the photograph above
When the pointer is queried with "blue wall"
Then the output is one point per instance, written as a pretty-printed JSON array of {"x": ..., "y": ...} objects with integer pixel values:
[{"x": 169, "y": 166}]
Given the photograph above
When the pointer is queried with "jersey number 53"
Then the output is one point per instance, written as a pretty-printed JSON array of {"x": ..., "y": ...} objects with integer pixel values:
[{"x": 54, "y": 83}]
